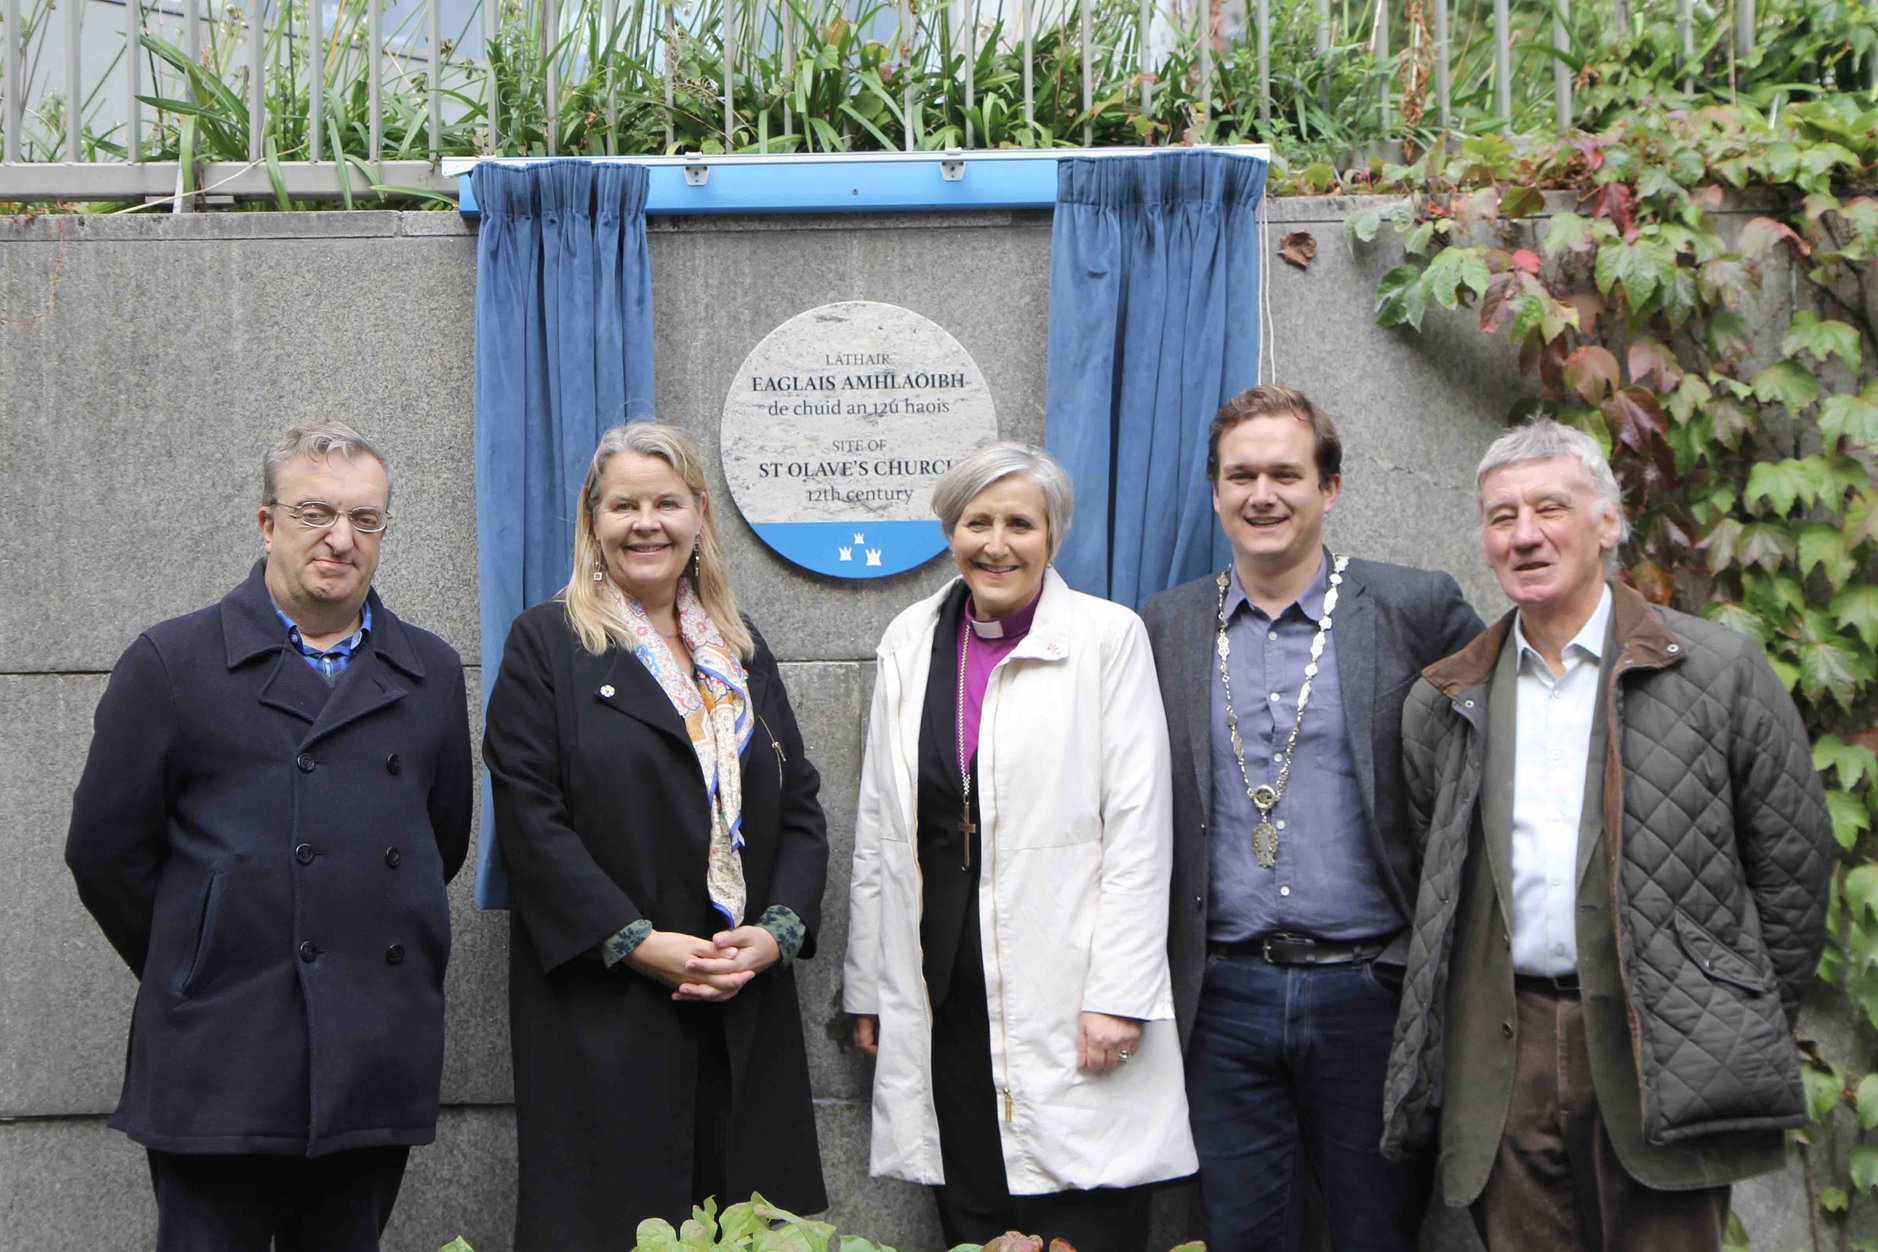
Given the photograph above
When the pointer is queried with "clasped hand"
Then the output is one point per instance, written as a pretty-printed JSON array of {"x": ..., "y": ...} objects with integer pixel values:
[{"x": 711, "y": 969}]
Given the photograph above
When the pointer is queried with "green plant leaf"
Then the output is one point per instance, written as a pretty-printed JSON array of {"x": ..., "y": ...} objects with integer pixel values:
[
  {"x": 1824, "y": 546},
  {"x": 1834, "y": 1199},
  {"x": 1825, "y": 1088},
  {"x": 1739, "y": 618},
  {"x": 1401, "y": 298},
  {"x": 1728, "y": 335},
  {"x": 1861, "y": 891},
  {"x": 1782, "y": 483},
  {"x": 1639, "y": 268},
  {"x": 1766, "y": 544},
  {"x": 1850, "y": 819},
  {"x": 1851, "y": 417},
  {"x": 1829, "y": 664},
  {"x": 1856, "y": 609},
  {"x": 1786, "y": 382},
  {"x": 1852, "y": 762},
  {"x": 1821, "y": 338},
  {"x": 1862, "y": 1165},
  {"x": 1566, "y": 232},
  {"x": 1454, "y": 268},
  {"x": 1362, "y": 226},
  {"x": 458, "y": 1244}
]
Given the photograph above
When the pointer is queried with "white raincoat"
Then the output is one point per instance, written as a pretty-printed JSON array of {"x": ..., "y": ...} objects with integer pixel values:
[{"x": 1076, "y": 819}]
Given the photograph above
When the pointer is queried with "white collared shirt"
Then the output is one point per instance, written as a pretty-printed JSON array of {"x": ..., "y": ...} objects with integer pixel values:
[{"x": 1553, "y": 749}]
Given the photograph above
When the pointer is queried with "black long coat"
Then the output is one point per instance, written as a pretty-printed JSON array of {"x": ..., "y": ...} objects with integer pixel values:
[
  {"x": 268, "y": 854},
  {"x": 601, "y": 814}
]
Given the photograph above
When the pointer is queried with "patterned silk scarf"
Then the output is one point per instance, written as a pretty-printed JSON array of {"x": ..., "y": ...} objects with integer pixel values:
[{"x": 715, "y": 706}]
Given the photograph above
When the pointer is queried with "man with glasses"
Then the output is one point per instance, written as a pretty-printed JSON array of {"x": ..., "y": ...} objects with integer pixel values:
[{"x": 278, "y": 790}]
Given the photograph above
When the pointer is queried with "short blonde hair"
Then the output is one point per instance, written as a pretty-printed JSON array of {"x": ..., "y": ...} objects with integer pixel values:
[{"x": 586, "y": 610}]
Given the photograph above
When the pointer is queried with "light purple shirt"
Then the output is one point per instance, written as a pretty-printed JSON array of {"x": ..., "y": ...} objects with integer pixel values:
[{"x": 991, "y": 643}]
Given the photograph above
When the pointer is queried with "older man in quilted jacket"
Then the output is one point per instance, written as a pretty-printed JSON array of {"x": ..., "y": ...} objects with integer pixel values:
[{"x": 1625, "y": 854}]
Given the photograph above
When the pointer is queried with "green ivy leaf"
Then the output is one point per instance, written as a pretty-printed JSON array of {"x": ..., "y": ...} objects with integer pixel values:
[
  {"x": 1454, "y": 268},
  {"x": 1728, "y": 420},
  {"x": 1863, "y": 1166},
  {"x": 655, "y": 1234},
  {"x": 1782, "y": 483},
  {"x": 1786, "y": 382},
  {"x": 1829, "y": 664},
  {"x": 1850, "y": 819},
  {"x": 1400, "y": 297},
  {"x": 1820, "y": 338},
  {"x": 1691, "y": 396},
  {"x": 1851, "y": 417},
  {"x": 1640, "y": 268},
  {"x": 1825, "y": 1088},
  {"x": 1853, "y": 762},
  {"x": 1739, "y": 618},
  {"x": 1834, "y": 1199},
  {"x": 1765, "y": 544},
  {"x": 1856, "y": 609},
  {"x": 1522, "y": 201},
  {"x": 1824, "y": 546},
  {"x": 1566, "y": 232},
  {"x": 1362, "y": 226}
]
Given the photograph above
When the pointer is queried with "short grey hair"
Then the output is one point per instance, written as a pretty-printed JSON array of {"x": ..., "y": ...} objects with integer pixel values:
[
  {"x": 960, "y": 485},
  {"x": 321, "y": 441},
  {"x": 1542, "y": 439}
]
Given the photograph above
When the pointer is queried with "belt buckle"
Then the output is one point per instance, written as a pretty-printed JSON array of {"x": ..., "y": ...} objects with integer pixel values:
[{"x": 1297, "y": 949}]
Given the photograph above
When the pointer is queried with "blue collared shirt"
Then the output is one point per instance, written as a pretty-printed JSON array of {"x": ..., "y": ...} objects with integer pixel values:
[
  {"x": 1326, "y": 883},
  {"x": 333, "y": 661}
]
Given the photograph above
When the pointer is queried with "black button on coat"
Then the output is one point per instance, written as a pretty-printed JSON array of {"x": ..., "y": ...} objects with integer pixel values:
[
  {"x": 601, "y": 812},
  {"x": 268, "y": 1019}
]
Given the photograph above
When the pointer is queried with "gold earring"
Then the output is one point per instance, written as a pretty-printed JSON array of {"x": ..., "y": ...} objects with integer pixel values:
[{"x": 599, "y": 570}]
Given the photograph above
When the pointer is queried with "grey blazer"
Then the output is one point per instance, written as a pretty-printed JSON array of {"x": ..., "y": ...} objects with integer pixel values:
[{"x": 1390, "y": 622}]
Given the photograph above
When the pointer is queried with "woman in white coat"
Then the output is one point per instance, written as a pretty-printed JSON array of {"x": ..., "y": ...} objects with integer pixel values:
[{"x": 1007, "y": 957}]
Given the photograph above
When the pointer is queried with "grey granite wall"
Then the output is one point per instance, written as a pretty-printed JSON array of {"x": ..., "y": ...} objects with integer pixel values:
[{"x": 144, "y": 363}]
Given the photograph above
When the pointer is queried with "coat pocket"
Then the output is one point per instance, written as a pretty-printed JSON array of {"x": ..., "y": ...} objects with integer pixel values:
[
  {"x": 211, "y": 893},
  {"x": 1716, "y": 959}
]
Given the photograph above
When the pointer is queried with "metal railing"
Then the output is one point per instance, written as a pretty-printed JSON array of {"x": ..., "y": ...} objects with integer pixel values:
[{"x": 317, "y": 173}]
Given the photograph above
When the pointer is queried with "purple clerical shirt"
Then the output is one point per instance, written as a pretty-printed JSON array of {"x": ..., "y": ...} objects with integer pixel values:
[{"x": 991, "y": 643}]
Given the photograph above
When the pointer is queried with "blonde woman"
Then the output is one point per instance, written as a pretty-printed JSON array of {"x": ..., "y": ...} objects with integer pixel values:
[{"x": 660, "y": 828}]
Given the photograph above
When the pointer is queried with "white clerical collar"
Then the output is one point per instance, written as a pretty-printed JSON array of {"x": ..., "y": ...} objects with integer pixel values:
[{"x": 986, "y": 630}]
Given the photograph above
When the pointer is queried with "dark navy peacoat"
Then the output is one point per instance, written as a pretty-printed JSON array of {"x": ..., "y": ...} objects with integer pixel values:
[{"x": 269, "y": 855}]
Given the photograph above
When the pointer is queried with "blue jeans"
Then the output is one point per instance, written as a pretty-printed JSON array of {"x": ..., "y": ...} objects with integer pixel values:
[{"x": 1284, "y": 1072}]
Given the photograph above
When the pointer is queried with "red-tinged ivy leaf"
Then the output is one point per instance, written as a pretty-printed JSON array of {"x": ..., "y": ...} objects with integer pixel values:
[
  {"x": 1636, "y": 417},
  {"x": 1709, "y": 199},
  {"x": 1591, "y": 149},
  {"x": 1760, "y": 235},
  {"x": 1639, "y": 267},
  {"x": 1552, "y": 363},
  {"x": 1657, "y": 584},
  {"x": 1588, "y": 306},
  {"x": 1728, "y": 336},
  {"x": 1786, "y": 382},
  {"x": 1825, "y": 546},
  {"x": 1782, "y": 483},
  {"x": 1851, "y": 418},
  {"x": 1522, "y": 201},
  {"x": 1652, "y": 362},
  {"x": 1614, "y": 201},
  {"x": 1299, "y": 247},
  {"x": 1566, "y": 232},
  {"x": 1856, "y": 609},
  {"x": 1820, "y": 338},
  {"x": 1766, "y": 544},
  {"x": 1591, "y": 371},
  {"x": 1401, "y": 298},
  {"x": 1525, "y": 260},
  {"x": 1496, "y": 309}
]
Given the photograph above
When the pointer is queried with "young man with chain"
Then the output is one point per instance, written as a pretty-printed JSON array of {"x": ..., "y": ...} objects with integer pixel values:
[{"x": 1283, "y": 677}]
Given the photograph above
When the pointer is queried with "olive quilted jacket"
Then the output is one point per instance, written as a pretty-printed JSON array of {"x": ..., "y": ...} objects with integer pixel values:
[{"x": 1721, "y": 853}]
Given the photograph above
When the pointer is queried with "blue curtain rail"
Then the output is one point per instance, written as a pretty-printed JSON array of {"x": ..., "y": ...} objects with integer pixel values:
[{"x": 872, "y": 182}]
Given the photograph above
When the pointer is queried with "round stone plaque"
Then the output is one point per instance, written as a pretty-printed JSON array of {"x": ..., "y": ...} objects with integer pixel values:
[{"x": 837, "y": 426}]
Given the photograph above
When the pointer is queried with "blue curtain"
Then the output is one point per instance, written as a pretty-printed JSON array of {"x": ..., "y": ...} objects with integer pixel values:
[
  {"x": 1154, "y": 279},
  {"x": 563, "y": 351}
]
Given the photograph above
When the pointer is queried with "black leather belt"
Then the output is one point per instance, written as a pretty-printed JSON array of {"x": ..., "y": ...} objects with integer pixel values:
[
  {"x": 1562, "y": 985},
  {"x": 1282, "y": 949}
]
